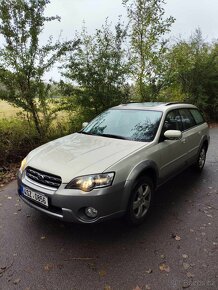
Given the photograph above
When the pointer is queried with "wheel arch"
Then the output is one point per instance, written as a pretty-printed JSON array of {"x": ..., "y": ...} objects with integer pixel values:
[
  {"x": 146, "y": 168},
  {"x": 204, "y": 142}
]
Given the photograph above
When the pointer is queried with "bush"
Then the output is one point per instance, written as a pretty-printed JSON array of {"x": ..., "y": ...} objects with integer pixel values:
[{"x": 18, "y": 137}]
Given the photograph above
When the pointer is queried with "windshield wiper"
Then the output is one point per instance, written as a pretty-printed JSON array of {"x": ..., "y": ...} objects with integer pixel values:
[
  {"x": 103, "y": 135},
  {"x": 112, "y": 136},
  {"x": 86, "y": 133}
]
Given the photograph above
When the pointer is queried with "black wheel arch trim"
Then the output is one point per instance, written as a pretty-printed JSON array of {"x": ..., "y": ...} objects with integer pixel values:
[{"x": 204, "y": 139}]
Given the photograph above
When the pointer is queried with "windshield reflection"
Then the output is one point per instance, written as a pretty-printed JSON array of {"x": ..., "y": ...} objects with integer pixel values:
[{"x": 136, "y": 125}]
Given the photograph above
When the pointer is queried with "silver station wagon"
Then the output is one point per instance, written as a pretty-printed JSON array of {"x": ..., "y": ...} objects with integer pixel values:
[{"x": 112, "y": 167}]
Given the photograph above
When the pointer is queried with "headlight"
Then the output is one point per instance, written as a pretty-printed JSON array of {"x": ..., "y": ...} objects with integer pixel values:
[
  {"x": 89, "y": 182},
  {"x": 23, "y": 165}
]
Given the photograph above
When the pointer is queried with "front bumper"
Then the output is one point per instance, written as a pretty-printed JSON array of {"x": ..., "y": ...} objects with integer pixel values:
[{"x": 69, "y": 204}]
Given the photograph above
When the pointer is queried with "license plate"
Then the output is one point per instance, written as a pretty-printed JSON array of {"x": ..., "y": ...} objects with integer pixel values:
[{"x": 38, "y": 197}]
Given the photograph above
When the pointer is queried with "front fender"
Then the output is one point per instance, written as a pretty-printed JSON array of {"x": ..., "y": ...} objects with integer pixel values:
[{"x": 132, "y": 177}]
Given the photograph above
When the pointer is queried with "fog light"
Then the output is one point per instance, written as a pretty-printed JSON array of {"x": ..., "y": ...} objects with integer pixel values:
[{"x": 91, "y": 212}]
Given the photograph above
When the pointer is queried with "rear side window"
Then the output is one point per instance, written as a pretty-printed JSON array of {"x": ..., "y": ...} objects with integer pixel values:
[
  {"x": 188, "y": 120},
  {"x": 199, "y": 119}
]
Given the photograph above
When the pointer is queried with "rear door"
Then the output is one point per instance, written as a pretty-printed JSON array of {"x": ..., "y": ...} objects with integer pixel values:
[{"x": 191, "y": 119}]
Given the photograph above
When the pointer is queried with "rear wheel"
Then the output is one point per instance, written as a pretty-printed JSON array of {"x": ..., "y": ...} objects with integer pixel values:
[
  {"x": 201, "y": 159},
  {"x": 140, "y": 201}
]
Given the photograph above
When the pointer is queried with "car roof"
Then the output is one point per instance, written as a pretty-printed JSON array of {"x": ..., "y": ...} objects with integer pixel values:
[{"x": 159, "y": 106}]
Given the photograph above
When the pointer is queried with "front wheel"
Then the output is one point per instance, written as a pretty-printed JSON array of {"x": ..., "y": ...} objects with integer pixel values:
[
  {"x": 140, "y": 201},
  {"x": 201, "y": 159}
]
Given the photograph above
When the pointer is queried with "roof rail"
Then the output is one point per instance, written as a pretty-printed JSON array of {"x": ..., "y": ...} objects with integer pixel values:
[{"x": 173, "y": 103}]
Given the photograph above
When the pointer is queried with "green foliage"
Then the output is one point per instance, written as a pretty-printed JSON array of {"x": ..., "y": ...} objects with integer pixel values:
[
  {"x": 23, "y": 62},
  {"x": 148, "y": 45},
  {"x": 99, "y": 69},
  {"x": 194, "y": 72},
  {"x": 18, "y": 137}
]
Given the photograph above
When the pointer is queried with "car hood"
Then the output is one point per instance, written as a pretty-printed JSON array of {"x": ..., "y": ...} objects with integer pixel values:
[{"x": 79, "y": 154}]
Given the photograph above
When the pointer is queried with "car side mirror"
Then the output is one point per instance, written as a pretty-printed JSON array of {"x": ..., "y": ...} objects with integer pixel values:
[
  {"x": 173, "y": 135},
  {"x": 84, "y": 124}
]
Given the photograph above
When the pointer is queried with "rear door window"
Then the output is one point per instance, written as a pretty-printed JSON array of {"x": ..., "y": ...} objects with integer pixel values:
[
  {"x": 188, "y": 120},
  {"x": 199, "y": 119}
]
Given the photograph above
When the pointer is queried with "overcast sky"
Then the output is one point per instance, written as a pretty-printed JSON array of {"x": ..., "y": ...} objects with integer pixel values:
[{"x": 189, "y": 14}]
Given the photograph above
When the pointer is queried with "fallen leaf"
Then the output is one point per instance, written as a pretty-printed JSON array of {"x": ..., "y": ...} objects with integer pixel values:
[
  {"x": 186, "y": 284},
  {"x": 190, "y": 275},
  {"x": 186, "y": 266},
  {"x": 191, "y": 230},
  {"x": 184, "y": 256},
  {"x": 162, "y": 256},
  {"x": 16, "y": 281},
  {"x": 48, "y": 267},
  {"x": 9, "y": 197},
  {"x": 102, "y": 273},
  {"x": 137, "y": 288},
  {"x": 107, "y": 287},
  {"x": 164, "y": 268},
  {"x": 176, "y": 237},
  {"x": 147, "y": 287},
  {"x": 209, "y": 215},
  {"x": 43, "y": 238},
  {"x": 149, "y": 271}
]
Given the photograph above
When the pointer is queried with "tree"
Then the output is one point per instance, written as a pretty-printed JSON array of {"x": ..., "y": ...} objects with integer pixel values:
[
  {"x": 23, "y": 62},
  {"x": 148, "y": 45},
  {"x": 99, "y": 69},
  {"x": 194, "y": 73}
]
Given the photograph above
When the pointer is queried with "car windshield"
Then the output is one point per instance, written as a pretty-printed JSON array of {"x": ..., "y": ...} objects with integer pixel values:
[{"x": 136, "y": 125}]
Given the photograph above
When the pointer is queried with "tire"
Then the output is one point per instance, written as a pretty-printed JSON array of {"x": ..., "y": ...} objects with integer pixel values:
[
  {"x": 201, "y": 159},
  {"x": 140, "y": 201}
]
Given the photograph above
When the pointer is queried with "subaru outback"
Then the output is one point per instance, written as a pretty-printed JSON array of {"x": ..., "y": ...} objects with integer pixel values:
[{"x": 112, "y": 166}]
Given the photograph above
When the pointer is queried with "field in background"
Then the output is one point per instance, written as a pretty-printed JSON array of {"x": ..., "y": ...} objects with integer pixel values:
[{"x": 7, "y": 111}]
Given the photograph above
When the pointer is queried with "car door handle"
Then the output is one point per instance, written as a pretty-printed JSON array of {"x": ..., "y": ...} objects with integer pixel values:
[{"x": 183, "y": 140}]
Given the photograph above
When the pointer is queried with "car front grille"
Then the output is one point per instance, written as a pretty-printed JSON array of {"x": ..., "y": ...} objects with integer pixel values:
[{"x": 43, "y": 177}]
